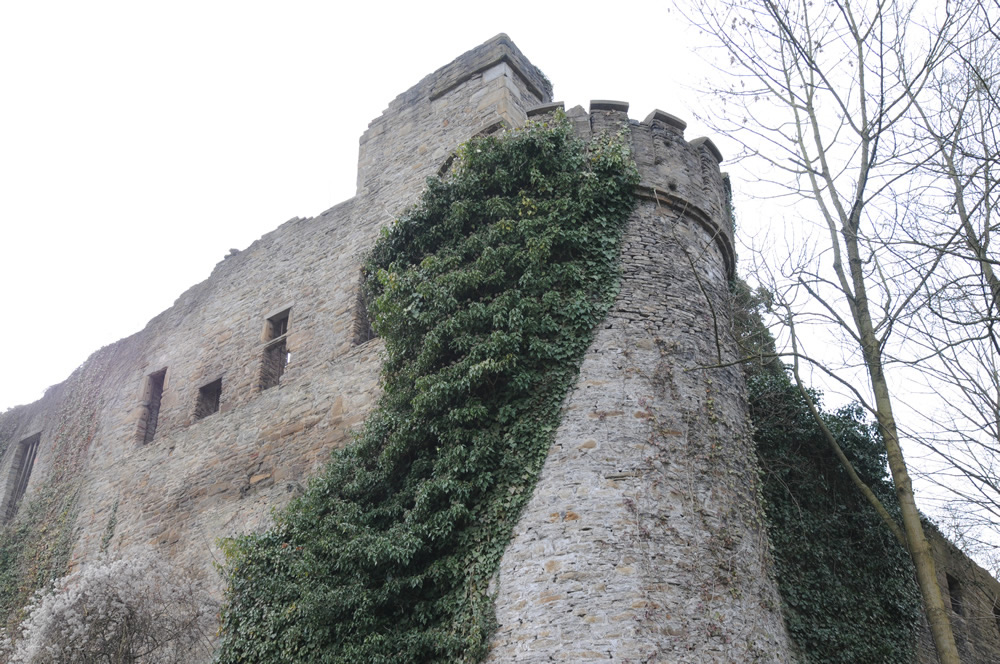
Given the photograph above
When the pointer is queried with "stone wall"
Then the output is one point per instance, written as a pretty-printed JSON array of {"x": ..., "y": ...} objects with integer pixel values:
[
  {"x": 488, "y": 88},
  {"x": 972, "y": 596},
  {"x": 204, "y": 474},
  {"x": 200, "y": 479}
]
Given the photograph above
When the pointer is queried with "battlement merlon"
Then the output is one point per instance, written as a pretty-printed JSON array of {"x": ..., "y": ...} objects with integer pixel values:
[{"x": 491, "y": 85}]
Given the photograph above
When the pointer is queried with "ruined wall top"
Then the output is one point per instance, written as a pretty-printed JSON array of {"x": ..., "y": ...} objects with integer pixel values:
[
  {"x": 499, "y": 49},
  {"x": 491, "y": 85}
]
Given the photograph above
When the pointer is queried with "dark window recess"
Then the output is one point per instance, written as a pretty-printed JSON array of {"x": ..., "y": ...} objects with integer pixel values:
[
  {"x": 152, "y": 398},
  {"x": 955, "y": 592},
  {"x": 996, "y": 613},
  {"x": 277, "y": 325},
  {"x": 209, "y": 398},
  {"x": 24, "y": 461},
  {"x": 276, "y": 358},
  {"x": 363, "y": 330}
]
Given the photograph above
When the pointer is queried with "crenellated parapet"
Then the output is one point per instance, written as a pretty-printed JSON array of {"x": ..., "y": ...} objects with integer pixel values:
[{"x": 675, "y": 173}]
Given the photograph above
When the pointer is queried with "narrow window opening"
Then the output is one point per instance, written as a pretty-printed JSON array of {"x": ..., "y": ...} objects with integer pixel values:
[
  {"x": 276, "y": 358},
  {"x": 209, "y": 398},
  {"x": 996, "y": 613},
  {"x": 363, "y": 330},
  {"x": 152, "y": 397},
  {"x": 955, "y": 592},
  {"x": 277, "y": 325},
  {"x": 17, "y": 484}
]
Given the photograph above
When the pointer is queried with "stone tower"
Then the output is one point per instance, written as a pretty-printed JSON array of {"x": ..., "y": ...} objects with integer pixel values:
[{"x": 643, "y": 540}]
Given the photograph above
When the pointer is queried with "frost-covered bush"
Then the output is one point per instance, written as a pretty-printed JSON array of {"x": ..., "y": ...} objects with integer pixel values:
[{"x": 140, "y": 609}]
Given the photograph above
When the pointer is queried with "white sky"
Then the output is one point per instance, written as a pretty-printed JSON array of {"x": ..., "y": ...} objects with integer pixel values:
[{"x": 140, "y": 141}]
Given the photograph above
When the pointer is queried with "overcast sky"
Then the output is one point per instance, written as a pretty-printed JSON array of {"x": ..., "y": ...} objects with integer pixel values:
[{"x": 140, "y": 141}]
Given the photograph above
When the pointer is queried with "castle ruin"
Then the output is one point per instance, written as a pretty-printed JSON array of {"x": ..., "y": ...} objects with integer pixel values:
[{"x": 643, "y": 539}]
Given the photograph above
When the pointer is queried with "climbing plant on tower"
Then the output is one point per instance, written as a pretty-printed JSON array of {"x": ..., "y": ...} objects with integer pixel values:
[{"x": 486, "y": 295}]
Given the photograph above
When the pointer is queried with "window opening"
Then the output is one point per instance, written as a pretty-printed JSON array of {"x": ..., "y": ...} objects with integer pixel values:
[
  {"x": 209, "y": 398},
  {"x": 277, "y": 325},
  {"x": 24, "y": 461},
  {"x": 276, "y": 358},
  {"x": 152, "y": 397},
  {"x": 363, "y": 330},
  {"x": 955, "y": 592},
  {"x": 996, "y": 613}
]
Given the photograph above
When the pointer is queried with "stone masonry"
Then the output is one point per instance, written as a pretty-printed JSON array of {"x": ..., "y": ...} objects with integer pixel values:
[{"x": 643, "y": 540}]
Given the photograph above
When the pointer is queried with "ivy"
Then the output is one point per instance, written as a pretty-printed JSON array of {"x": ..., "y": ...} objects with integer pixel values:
[
  {"x": 37, "y": 544},
  {"x": 847, "y": 586},
  {"x": 35, "y": 547},
  {"x": 486, "y": 295}
]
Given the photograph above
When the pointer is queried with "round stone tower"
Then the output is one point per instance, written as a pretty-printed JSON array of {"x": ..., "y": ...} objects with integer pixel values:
[{"x": 644, "y": 538}]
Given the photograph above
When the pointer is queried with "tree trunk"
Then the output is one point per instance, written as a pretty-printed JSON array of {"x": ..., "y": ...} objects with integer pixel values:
[{"x": 920, "y": 550}]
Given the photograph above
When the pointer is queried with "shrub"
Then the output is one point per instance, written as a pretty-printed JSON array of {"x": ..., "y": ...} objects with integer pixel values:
[{"x": 140, "y": 609}]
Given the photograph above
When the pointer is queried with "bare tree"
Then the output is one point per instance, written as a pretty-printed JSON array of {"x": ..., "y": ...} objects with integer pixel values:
[
  {"x": 955, "y": 323},
  {"x": 824, "y": 102}
]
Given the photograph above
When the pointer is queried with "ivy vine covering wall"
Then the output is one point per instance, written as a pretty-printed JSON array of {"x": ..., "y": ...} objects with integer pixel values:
[
  {"x": 486, "y": 295},
  {"x": 36, "y": 546},
  {"x": 847, "y": 586}
]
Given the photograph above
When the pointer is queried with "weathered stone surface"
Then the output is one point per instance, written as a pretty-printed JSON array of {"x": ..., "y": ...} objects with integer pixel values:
[{"x": 973, "y": 599}]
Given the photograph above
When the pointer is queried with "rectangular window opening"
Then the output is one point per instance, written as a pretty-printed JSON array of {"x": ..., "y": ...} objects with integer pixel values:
[
  {"x": 955, "y": 592},
  {"x": 277, "y": 325},
  {"x": 996, "y": 613},
  {"x": 209, "y": 398},
  {"x": 276, "y": 358},
  {"x": 363, "y": 330},
  {"x": 24, "y": 461},
  {"x": 152, "y": 397}
]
